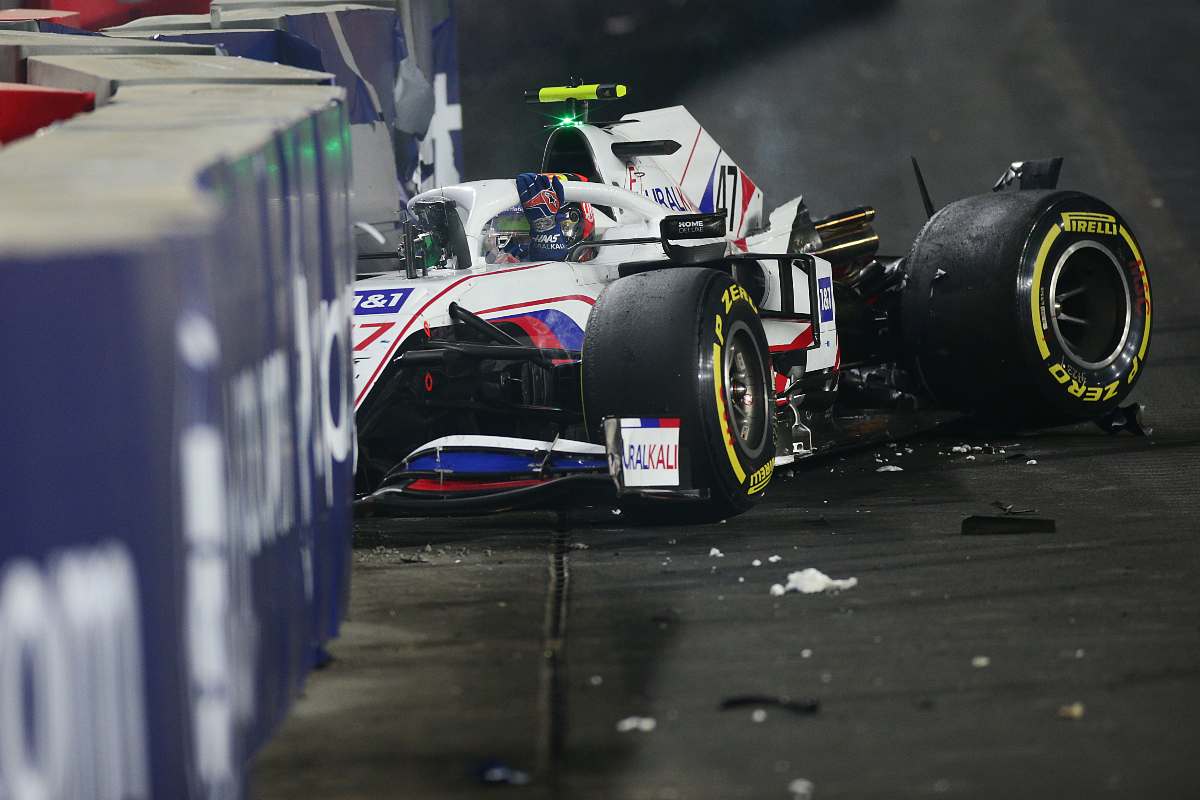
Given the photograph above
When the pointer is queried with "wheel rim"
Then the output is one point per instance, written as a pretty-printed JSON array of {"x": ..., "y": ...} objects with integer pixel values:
[
  {"x": 744, "y": 390},
  {"x": 1089, "y": 306}
]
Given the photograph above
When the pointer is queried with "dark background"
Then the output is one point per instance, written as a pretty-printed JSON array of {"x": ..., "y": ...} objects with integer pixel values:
[{"x": 443, "y": 666}]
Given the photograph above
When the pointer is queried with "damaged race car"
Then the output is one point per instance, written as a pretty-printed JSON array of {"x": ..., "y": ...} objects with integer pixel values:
[{"x": 628, "y": 328}]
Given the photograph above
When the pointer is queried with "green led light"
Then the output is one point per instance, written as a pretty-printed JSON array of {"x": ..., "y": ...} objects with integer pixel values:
[{"x": 566, "y": 122}]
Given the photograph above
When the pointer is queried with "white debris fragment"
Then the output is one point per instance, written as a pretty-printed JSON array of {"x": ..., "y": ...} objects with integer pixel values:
[
  {"x": 1031, "y": 462},
  {"x": 979, "y": 662},
  {"x": 961, "y": 448},
  {"x": 741, "y": 579},
  {"x": 801, "y": 789},
  {"x": 642, "y": 724},
  {"x": 756, "y": 563},
  {"x": 970, "y": 458},
  {"x": 977, "y": 449},
  {"x": 777, "y": 590},
  {"x": 811, "y": 581},
  {"x": 1079, "y": 653},
  {"x": 775, "y": 559},
  {"x": 758, "y": 715},
  {"x": 806, "y": 653},
  {"x": 596, "y": 680},
  {"x": 715, "y": 553},
  {"x": 1073, "y": 711},
  {"x": 889, "y": 468},
  {"x": 502, "y": 773},
  {"x": 579, "y": 546}
]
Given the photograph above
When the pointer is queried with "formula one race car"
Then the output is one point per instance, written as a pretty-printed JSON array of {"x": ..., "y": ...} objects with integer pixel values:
[{"x": 682, "y": 344}]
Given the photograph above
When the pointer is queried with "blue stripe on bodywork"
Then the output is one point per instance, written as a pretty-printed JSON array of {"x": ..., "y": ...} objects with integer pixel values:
[
  {"x": 492, "y": 462},
  {"x": 567, "y": 330}
]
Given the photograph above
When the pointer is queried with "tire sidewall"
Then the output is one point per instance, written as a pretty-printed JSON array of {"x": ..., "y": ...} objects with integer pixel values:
[
  {"x": 734, "y": 471},
  {"x": 1069, "y": 385}
]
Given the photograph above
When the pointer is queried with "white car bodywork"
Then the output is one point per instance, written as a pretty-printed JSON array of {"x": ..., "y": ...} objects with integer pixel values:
[{"x": 555, "y": 298}]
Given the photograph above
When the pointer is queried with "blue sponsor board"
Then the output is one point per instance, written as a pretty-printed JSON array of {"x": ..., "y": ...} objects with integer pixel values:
[
  {"x": 825, "y": 298},
  {"x": 183, "y": 586},
  {"x": 385, "y": 301},
  {"x": 163, "y": 596},
  {"x": 90, "y": 578}
]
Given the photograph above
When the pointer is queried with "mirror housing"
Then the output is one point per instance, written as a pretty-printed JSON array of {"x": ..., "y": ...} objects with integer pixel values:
[
  {"x": 682, "y": 227},
  {"x": 693, "y": 226}
]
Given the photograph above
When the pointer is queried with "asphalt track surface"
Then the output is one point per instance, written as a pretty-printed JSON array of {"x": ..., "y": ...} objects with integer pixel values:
[{"x": 500, "y": 641}]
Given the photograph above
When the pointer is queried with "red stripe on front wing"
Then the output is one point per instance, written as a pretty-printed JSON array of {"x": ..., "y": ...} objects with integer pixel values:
[{"x": 450, "y": 485}]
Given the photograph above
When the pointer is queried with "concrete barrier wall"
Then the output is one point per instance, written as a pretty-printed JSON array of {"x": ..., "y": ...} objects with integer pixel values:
[
  {"x": 176, "y": 413},
  {"x": 361, "y": 45}
]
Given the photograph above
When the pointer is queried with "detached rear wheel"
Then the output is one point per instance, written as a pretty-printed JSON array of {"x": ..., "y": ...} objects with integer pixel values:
[
  {"x": 687, "y": 343},
  {"x": 1028, "y": 308}
]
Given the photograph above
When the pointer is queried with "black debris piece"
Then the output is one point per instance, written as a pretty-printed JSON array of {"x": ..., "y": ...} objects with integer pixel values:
[
  {"x": 800, "y": 706},
  {"x": 1126, "y": 418},
  {"x": 984, "y": 525}
]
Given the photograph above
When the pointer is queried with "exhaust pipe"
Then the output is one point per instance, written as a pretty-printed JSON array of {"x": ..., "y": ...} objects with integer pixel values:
[{"x": 847, "y": 238}]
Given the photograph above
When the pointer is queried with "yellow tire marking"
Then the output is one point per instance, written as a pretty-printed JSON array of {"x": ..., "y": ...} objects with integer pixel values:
[
  {"x": 760, "y": 479},
  {"x": 1145, "y": 289},
  {"x": 1035, "y": 292},
  {"x": 721, "y": 415}
]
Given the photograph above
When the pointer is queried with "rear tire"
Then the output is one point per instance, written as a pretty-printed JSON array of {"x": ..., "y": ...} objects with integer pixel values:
[
  {"x": 1028, "y": 308},
  {"x": 687, "y": 343}
]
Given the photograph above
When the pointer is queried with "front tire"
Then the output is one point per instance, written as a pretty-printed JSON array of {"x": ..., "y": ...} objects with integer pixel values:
[
  {"x": 687, "y": 343},
  {"x": 1029, "y": 308}
]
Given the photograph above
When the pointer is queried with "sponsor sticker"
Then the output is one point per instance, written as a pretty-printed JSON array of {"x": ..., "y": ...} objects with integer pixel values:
[
  {"x": 650, "y": 451},
  {"x": 387, "y": 301},
  {"x": 668, "y": 197},
  {"x": 1089, "y": 222},
  {"x": 825, "y": 298}
]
